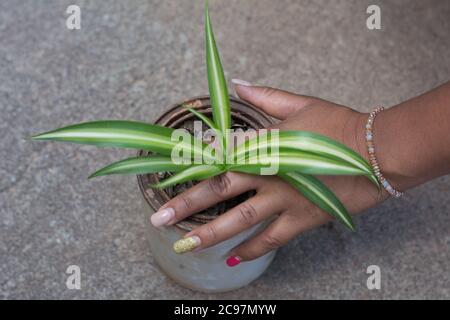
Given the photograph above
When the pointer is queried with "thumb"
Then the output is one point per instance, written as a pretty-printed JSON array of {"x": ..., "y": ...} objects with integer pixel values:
[{"x": 276, "y": 103}]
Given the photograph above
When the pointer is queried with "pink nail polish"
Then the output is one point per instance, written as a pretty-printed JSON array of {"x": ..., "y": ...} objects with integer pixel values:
[
  {"x": 233, "y": 261},
  {"x": 162, "y": 217}
]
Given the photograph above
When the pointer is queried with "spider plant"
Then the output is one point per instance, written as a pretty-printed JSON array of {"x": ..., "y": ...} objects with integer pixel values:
[{"x": 300, "y": 155}]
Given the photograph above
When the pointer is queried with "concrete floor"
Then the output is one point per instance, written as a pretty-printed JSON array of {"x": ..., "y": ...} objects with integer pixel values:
[{"x": 131, "y": 60}]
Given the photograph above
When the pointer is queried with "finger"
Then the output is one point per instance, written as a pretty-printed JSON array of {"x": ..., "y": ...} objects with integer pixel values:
[
  {"x": 277, "y": 103},
  {"x": 277, "y": 234},
  {"x": 202, "y": 196},
  {"x": 236, "y": 220}
]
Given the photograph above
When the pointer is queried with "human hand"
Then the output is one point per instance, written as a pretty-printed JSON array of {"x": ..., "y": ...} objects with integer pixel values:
[{"x": 274, "y": 197}]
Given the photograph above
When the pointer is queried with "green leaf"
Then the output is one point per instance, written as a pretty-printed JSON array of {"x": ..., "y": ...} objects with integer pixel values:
[
  {"x": 123, "y": 134},
  {"x": 310, "y": 142},
  {"x": 303, "y": 162},
  {"x": 202, "y": 117},
  {"x": 320, "y": 195},
  {"x": 220, "y": 100},
  {"x": 197, "y": 173},
  {"x": 140, "y": 165}
]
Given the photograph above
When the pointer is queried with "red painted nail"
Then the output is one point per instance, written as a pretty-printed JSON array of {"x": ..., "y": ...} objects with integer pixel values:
[{"x": 233, "y": 261}]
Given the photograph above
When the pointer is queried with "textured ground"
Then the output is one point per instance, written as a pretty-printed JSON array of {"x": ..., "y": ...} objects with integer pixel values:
[{"x": 132, "y": 59}]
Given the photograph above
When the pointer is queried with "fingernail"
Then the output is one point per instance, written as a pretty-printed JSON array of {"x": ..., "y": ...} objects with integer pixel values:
[
  {"x": 162, "y": 217},
  {"x": 240, "y": 82},
  {"x": 186, "y": 244},
  {"x": 233, "y": 261}
]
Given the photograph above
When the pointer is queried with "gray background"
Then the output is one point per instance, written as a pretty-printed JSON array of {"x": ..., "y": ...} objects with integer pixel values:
[{"x": 131, "y": 60}]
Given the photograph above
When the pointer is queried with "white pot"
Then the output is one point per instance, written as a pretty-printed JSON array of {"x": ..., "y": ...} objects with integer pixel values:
[{"x": 205, "y": 270}]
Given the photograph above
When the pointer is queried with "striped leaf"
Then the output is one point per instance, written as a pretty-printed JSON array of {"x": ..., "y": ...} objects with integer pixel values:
[
  {"x": 304, "y": 141},
  {"x": 303, "y": 162},
  {"x": 123, "y": 134},
  {"x": 140, "y": 165},
  {"x": 200, "y": 172},
  {"x": 218, "y": 90},
  {"x": 202, "y": 117},
  {"x": 320, "y": 195}
]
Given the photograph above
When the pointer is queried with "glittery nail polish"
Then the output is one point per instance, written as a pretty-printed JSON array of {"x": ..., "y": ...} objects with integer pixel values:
[{"x": 186, "y": 244}]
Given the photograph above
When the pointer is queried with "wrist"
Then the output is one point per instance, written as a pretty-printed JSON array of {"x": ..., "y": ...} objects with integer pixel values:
[
  {"x": 410, "y": 139},
  {"x": 396, "y": 150},
  {"x": 389, "y": 156}
]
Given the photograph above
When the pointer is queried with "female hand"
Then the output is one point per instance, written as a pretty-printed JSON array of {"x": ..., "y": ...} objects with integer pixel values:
[
  {"x": 295, "y": 214},
  {"x": 273, "y": 196}
]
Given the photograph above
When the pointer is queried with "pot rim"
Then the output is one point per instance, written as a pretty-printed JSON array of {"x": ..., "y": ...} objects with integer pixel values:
[{"x": 240, "y": 109}]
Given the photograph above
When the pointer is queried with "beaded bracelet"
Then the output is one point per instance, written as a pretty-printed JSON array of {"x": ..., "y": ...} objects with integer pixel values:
[{"x": 373, "y": 159}]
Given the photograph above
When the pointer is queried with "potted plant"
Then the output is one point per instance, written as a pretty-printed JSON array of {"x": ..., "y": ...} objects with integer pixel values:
[{"x": 170, "y": 159}]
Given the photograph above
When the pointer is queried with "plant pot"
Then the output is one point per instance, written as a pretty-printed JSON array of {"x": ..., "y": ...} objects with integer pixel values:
[{"x": 205, "y": 270}]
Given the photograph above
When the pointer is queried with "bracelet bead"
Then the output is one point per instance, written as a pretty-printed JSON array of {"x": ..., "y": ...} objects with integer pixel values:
[{"x": 373, "y": 159}]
